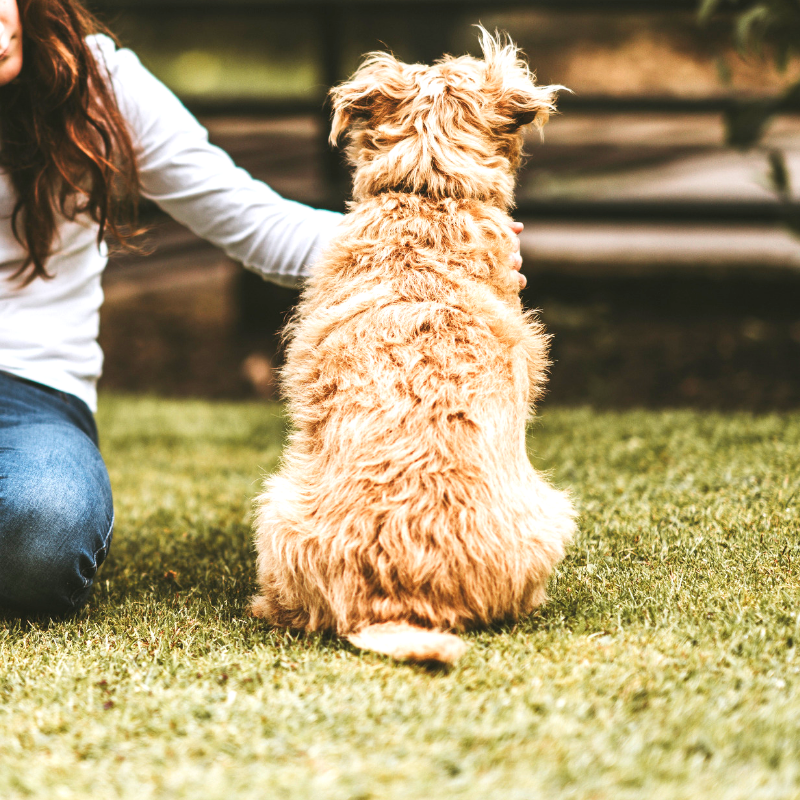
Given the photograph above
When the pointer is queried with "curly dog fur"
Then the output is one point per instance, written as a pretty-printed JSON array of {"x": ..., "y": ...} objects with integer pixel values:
[{"x": 406, "y": 505}]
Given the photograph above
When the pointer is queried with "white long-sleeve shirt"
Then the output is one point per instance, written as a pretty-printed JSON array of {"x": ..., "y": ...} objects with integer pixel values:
[{"x": 49, "y": 328}]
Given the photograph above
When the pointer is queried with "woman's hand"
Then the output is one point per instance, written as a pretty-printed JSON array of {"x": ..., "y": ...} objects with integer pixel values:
[{"x": 516, "y": 258}]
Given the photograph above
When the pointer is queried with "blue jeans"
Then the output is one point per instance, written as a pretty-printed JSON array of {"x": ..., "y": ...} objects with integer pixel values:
[{"x": 56, "y": 510}]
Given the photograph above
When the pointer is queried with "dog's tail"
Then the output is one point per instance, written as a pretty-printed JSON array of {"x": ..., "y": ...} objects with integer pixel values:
[{"x": 407, "y": 642}]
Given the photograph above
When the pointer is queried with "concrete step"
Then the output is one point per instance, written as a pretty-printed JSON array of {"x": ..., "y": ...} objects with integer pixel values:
[{"x": 644, "y": 249}]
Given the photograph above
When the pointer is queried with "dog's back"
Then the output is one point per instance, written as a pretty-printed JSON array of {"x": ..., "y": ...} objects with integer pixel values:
[{"x": 406, "y": 496}]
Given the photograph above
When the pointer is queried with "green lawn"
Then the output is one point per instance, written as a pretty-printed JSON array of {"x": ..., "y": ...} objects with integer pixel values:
[{"x": 665, "y": 665}]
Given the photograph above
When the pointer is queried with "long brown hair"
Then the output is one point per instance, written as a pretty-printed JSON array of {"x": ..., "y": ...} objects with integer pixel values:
[{"x": 63, "y": 141}]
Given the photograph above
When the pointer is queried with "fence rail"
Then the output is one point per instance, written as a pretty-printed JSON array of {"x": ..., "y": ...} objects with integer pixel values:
[{"x": 586, "y": 104}]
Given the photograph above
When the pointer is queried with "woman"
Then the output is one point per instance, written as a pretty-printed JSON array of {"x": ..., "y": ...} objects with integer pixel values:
[{"x": 82, "y": 126}]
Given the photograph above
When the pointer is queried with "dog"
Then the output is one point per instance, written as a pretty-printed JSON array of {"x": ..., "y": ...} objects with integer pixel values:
[{"x": 406, "y": 509}]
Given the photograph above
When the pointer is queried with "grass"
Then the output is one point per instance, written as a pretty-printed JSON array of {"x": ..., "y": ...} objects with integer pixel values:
[{"x": 665, "y": 665}]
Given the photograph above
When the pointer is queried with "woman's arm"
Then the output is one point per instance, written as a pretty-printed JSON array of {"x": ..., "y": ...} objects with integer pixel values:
[{"x": 198, "y": 184}]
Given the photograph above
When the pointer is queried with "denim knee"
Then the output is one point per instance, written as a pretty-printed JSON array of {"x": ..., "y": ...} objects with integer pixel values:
[{"x": 56, "y": 518}]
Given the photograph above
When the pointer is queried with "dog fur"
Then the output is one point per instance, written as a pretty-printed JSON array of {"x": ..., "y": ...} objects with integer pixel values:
[{"x": 406, "y": 505}]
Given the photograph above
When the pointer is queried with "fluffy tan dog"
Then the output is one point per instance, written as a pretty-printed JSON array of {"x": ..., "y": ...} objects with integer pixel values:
[{"x": 406, "y": 504}]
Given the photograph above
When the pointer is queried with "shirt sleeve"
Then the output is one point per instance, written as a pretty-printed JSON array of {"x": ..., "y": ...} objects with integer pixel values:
[{"x": 198, "y": 184}]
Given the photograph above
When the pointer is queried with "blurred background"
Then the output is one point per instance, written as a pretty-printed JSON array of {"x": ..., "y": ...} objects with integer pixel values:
[{"x": 661, "y": 227}]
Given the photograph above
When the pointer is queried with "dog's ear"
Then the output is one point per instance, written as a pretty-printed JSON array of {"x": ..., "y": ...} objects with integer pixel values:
[
  {"x": 379, "y": 84},
  {"x": 526, "y": 104},
  {"x": 517, "y": 100}
]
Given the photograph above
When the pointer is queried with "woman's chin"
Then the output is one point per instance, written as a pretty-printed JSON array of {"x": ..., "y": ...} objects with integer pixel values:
[{"x": 10, "y": 66}]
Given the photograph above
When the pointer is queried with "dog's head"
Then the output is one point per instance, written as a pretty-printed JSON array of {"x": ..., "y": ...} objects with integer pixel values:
[{"x": 453, "y": 129}]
